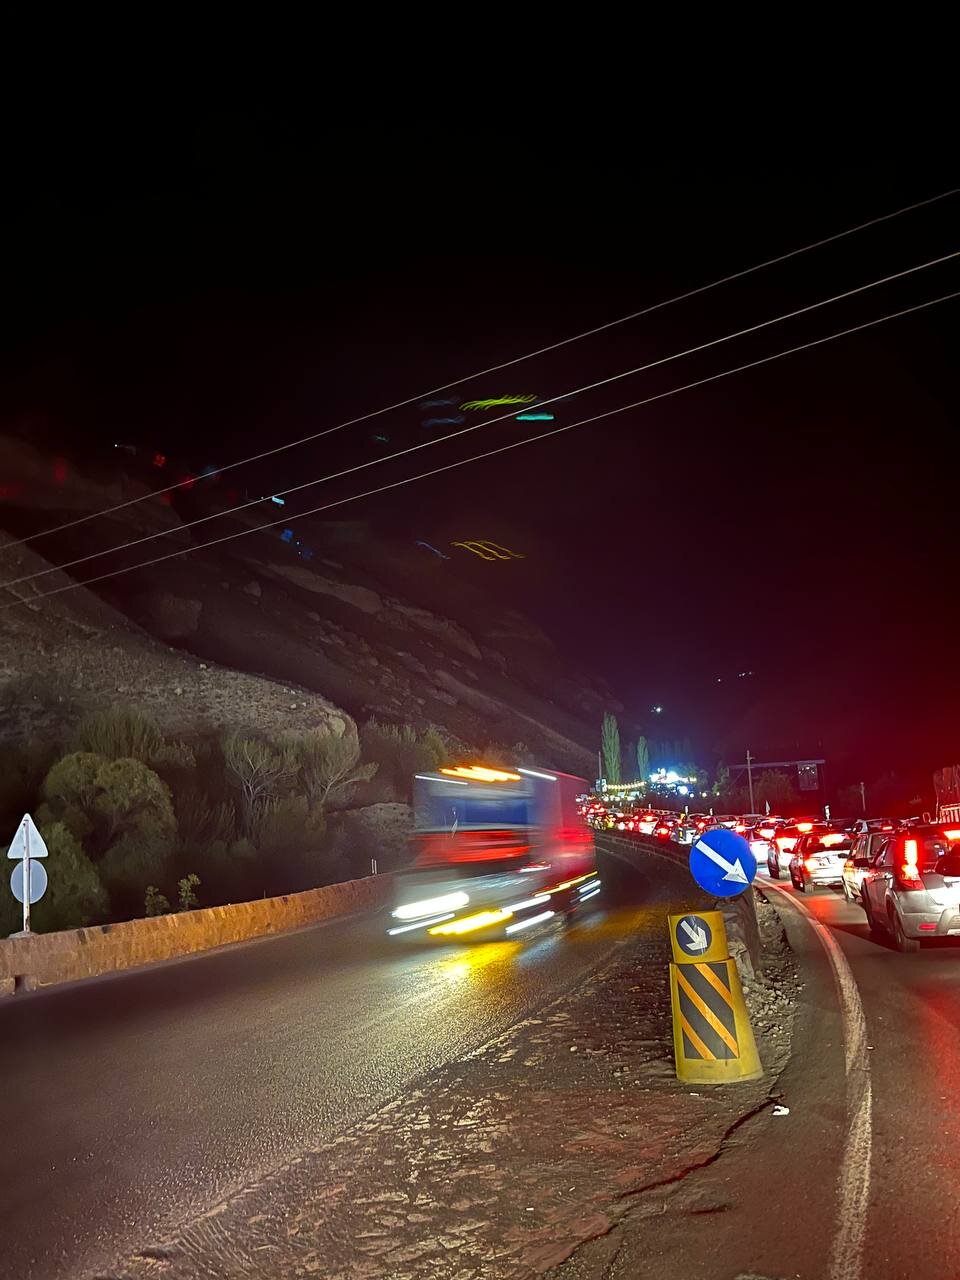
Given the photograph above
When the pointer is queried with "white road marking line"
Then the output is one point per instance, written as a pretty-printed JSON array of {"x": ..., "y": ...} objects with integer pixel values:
[{"x": 853, "y": 1184}]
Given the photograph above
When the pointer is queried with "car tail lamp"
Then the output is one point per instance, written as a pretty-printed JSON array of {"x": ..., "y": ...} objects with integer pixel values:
[
  {"x": 804, "y": 826},
  {"x": 663, "y": 831},
  {"x": 741, "y": 827},
  {"x": 952, "y": 834},
  {"x": 765, "y": 833},
  {"x": 811, "y": 864},
  {"x": 928, "y": 926},
  {"x": 786, "y": 843},
  {"x": 909, "y": 875}
]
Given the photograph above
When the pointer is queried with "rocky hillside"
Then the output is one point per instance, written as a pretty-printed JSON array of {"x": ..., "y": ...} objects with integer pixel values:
[{"x": 251, "y": 632}]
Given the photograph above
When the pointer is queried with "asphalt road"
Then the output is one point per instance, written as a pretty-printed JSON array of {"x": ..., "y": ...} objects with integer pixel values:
[
  {"x": 912, "y": 1008},
  {"x": 133, "y": 1103}
]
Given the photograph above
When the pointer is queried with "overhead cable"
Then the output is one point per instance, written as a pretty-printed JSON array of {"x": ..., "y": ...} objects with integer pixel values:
[
  {"x": 506, "y": 364},
  {"x": 452, "y": 435},
  {"x": 490, "y": 453}
]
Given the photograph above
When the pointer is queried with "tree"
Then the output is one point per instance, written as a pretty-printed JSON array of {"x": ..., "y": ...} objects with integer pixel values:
[
  {"x": 643, "y": 759},
  {"x": 261, "y": 770},
  {"x": 75, "y": 895},
  {"x": 777, "y": 789},
  {"x": 103, "y": 801},
  {"x": 329, "y": 766},
  {"x": 610, "y": 742}
]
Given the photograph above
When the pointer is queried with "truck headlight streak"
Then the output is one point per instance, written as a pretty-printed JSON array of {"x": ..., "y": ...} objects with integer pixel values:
[
  {"x": 431, "y": 906},
  {"x": 467, "y": 924},
  {"x": 529, "y": 902},
  {"x": 420, "y": 924},
  {"x": 525, "y": 924}
]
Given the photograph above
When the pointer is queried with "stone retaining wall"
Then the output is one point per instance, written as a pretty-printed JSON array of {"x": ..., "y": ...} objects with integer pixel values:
[{"x": 47, "y": 958}]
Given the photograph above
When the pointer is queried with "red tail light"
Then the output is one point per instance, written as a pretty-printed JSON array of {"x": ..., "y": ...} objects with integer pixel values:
[
  {"x": 804, "y": 826},
  {"x": 765, "y": 832},
  {"x": 928, "y": 927},
  {"x": 951, "y": 835},
  {"x": 663, "y": 831},
  {"x": 741, "y": 827},
  {"x": 909, "y": 876},
  {"x": 811, "y": 864}
]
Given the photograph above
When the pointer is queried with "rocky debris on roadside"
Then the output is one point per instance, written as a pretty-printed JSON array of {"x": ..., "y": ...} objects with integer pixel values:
[{"x": 502, "y": 1163}]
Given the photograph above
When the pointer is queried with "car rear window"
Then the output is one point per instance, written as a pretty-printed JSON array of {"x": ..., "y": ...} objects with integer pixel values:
[
  {"x": 829, "y": 842},
  {"x": 949, "y": 862},
  {"x": 929, "y": 851}
]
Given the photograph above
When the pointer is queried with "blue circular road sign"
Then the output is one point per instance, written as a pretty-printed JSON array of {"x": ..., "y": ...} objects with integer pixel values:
[
  {"x": 694, "y": 935},
  {"x": 721, "y": 862},
  {"x": 38, "y": 881}
]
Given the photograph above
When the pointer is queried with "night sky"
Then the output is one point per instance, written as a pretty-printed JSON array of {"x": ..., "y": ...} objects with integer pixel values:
[{"x": 224, "y": 283}]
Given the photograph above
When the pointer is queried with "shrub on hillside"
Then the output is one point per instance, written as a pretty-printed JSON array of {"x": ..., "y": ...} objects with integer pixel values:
[
  {"x": 400, "y": 751},
  {"x": 261, "y": 770},
  {"x": 328, "y": 767}
]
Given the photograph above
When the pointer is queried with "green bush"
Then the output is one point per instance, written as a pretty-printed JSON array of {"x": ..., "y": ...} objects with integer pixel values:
[
  {"x": 328, "y": 767},
  {"x": 154, "y": 903},
  {"x": 120, "y": 733},
  {"x": 103, "y": 801},
  {"x": 186, "y": 891},
  {"x": 400, "y": 751}
]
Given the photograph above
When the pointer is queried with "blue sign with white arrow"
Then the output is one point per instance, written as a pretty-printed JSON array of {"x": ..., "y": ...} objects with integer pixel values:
[
  {"x": 694, "y": 935},
  {"x": 721, "y": 862}
]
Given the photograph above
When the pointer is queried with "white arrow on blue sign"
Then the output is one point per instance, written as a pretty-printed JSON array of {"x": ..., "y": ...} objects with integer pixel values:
[
  {"x": 38, "y": 881},
  {"x": 694, "y": 935},
  {"x": 721, "y": 863}
]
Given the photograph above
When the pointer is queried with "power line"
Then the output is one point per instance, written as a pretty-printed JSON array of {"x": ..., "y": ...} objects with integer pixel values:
[
  {"x": 506, "y": 364},
  {"x": 429, "y": 444},
  {"x": 490, "y": 453}
]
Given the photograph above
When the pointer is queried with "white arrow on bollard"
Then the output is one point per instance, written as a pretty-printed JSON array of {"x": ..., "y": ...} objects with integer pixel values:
[
  {"x": 732, "y": 870},
  {"x": 698, "y": 939}
]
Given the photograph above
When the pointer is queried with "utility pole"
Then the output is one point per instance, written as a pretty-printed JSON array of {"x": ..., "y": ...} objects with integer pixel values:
[{"x": 750, "y": 760}]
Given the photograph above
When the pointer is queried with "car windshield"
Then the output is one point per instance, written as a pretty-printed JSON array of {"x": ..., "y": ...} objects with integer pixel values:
[{"x": 829, "y": 842}]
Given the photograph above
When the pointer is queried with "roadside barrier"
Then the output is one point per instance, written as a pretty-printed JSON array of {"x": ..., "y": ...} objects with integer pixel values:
[{"x": 713, "y": 1040}]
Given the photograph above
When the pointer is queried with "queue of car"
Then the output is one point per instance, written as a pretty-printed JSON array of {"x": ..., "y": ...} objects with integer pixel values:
[{"x": 904, "y": 873}]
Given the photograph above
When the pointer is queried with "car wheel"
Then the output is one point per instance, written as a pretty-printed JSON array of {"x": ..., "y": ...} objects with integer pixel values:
[
  {"x": 773, "y": 871},
  {"x": 875, "y": 929},
  {"x": 904, "y": 943}
]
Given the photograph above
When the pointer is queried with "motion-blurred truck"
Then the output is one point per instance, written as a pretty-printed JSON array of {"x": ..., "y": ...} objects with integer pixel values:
[{"x": 496, "y": 852}]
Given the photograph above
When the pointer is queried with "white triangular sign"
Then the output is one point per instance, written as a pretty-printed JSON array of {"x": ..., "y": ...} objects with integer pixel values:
[{"x": 18, "y": 845}]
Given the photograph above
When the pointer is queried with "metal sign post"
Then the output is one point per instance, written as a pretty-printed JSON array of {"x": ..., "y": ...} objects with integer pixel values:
[{"x": 25, "y": 847}]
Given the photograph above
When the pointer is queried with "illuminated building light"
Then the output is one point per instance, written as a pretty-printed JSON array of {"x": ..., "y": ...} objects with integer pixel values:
[
  {"x": 534, "y": 417},
  {"x": 494, "y": 401},
  {"x": 526, "y": 924},
  {"x": 286, "y": 535},
  {"x": 159, "y": 460},
  {"x": 468, "y": 924},
  {"x": 532, "y": 773},
  {"x": 684, "y": 791},
  {"x": 431, "y": 906},
  {"x": 432, "y": 777},
  {"x": 381, "y": 438},
  {"x": 281, "y": 502},
  {"x": 480, "y": 773},
  {"x": 419, "y": 924},
  {"x": 530, "y": 902}
]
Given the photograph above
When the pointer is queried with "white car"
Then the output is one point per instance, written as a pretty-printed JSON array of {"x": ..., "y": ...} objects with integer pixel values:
[
  {"x": 865, "y": 848},
  {"x": 819, "y": 858}
]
